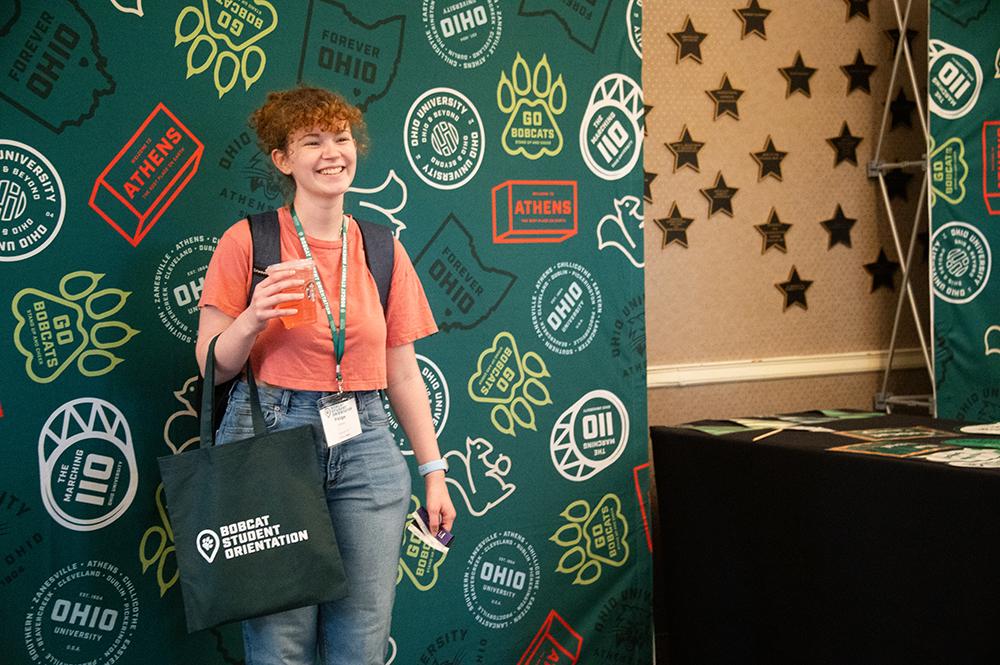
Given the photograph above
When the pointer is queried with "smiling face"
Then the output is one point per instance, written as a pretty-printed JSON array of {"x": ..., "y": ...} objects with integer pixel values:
[{"x": 322, "y": 162}]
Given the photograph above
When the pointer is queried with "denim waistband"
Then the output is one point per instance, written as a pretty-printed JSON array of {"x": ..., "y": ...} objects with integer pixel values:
[{"x": 288, "y": 398}]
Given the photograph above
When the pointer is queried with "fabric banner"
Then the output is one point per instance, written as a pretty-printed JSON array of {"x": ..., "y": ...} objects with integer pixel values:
[
  {"x": 964, "y": 162},
  {"x": 506, "y": 155}
]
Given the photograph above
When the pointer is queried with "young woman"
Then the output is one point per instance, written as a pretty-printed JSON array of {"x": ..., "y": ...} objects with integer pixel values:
[{"x": 312, "y": 136}]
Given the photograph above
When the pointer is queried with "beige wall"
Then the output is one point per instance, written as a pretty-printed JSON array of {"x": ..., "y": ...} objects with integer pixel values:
[{"x": 716, "y": 299}]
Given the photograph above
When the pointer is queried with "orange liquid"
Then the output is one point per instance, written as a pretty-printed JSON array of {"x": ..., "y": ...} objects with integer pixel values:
[{"x": 306, "y": 306}]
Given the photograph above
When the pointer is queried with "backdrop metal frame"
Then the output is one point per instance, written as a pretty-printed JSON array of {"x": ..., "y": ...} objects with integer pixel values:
[{"x": 884, "y": 400}]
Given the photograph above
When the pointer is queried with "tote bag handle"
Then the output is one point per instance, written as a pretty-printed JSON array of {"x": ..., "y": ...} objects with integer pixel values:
[{"x": 207, "y": 406}]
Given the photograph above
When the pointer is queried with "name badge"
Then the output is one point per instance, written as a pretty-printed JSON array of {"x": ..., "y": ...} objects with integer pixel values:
[{"x": 340, "y": 418}]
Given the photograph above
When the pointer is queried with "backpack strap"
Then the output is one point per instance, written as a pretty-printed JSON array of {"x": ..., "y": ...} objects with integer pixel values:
[
  {"x": 266, "y": 242},
  {"x": 380, "y": 252}
]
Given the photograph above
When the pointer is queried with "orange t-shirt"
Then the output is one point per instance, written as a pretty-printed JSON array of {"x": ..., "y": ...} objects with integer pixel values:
[{"x": 302, "y": 358}]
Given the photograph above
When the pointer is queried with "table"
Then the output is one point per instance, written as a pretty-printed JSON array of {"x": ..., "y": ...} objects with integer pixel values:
[{"x": 782, "y": 551}]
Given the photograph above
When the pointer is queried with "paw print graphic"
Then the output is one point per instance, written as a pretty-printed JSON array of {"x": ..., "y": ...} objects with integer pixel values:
[
  {"x": 533, "y": 100},
  {"x": 54, "y": 331},
  {"x": 593, "y": 538},
  {"x": 226, "y": 34}
]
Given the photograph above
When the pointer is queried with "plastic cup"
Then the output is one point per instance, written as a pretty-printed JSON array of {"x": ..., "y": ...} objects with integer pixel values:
[{"x": 307, "y": 305}]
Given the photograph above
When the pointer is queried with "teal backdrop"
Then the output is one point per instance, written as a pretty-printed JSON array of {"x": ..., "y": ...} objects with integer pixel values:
[
  {"x": 964, "y": 97},
  {"x": 506, "y": 155}
]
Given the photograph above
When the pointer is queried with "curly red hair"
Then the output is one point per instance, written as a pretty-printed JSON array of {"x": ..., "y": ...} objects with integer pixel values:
[{"x": 288, "y": 111}]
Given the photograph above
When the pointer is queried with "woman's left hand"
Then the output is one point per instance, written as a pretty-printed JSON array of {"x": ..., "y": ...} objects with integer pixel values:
[{"x": 440, "y": 510}]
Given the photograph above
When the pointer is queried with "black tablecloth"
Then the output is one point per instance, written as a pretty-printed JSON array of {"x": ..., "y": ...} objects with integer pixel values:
[{"x": 781, "y": 551}]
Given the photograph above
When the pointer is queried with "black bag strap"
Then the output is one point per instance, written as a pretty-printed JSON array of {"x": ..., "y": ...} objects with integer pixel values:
[
  {"x": 379, "y": 255},
  {"x": 266, "y": 241},
  {"x": 208, "y": 399},
  {"x": 377, "y": 240}
]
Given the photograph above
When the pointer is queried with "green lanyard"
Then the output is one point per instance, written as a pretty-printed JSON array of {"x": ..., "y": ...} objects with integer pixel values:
[{"x": 336, "y": 331}]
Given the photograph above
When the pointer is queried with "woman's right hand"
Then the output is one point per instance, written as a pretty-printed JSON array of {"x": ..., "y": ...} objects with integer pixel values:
[{"x": 268, "y": 298}]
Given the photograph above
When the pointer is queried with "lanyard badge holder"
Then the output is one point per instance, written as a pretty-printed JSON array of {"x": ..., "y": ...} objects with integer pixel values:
[{"x": 339, "y": 412}]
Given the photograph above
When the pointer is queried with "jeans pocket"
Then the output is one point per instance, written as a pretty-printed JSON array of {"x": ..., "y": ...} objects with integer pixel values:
[{"x": 374, "y": 411}]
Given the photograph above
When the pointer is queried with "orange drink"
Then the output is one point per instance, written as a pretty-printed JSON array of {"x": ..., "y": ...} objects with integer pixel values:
[{"x": 307, "y": 305}]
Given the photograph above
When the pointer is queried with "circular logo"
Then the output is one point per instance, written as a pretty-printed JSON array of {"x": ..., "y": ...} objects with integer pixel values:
[
  {"x": 961, "y": 260},
  {"x": 464, "y": 33},
  {"x": 954, "y": 79},
  {"x": 589, "y": 436},
  {"x": 633, "y": 25},
  {"x": 444, "y": 139},
  {"x": 85, "y": 613},
  {"x": 501, "y": 580},
  {"x": 611, "y": 131},
  {"x": 87, "y": 464},
  {"x": 437, "y": 393},
  {"x": 566, "y": 308},
  {"x": 32, "y": 201},
  {"x": 178, "y": 282}
]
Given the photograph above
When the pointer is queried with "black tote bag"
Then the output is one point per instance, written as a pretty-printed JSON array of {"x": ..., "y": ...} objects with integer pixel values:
[{"x": 250, "y": 520}]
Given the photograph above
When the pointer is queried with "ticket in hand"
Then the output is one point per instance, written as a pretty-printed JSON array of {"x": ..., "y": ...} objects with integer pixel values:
[{"x": 420, "y": 527}]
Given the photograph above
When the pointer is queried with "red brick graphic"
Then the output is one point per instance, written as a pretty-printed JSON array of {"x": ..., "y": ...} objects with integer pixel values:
[
  {"x": 528, "y": 211},
  {"x": 146, "y": 175},
  {"x": 555, "y": 643}
]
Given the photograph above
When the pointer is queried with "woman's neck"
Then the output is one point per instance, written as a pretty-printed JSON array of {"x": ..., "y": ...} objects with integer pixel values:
[{"x": 320, "y": 220}]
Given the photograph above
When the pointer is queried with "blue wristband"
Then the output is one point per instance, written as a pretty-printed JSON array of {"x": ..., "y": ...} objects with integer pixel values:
[{"x": 432, "y": 466}]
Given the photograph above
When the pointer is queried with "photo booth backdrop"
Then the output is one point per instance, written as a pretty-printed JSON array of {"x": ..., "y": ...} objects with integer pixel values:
[
  {"x": 717, "y": 295},
  {"x": 964, "y": 97},
  {"x": 506, "y": 154}
]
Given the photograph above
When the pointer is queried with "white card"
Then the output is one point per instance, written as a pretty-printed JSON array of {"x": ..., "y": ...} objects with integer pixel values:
[
  {"x": 988, "y": 428},
  {"x": 340, "y": 418}
]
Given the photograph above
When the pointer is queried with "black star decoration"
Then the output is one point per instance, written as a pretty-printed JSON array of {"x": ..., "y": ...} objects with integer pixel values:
[
  {"x": 646, "y": 110},
  {"x": 725, "y": 98},
  {"x": 720, "y": 196},
  {"x": 688, "y": 42},
  {"x": 901, "y": 109},
  {"x": 893, "y": 36},
  {"x": 839, "y": 228},
  {"x": 773, "y": 233},
  {"x": 924, "y": 238},
  {"x": 768, "y": 160},
  {"x": 883, "y": 272},
  {"x": 647, "y": 190},
  {"x": 798, "y": 76},
  {"x": 845, "y": 145},
  {"x": 794, "y": 290},
  {"x": 858, "y": 74},
  {"x": 685, "y": 151},
  {"x": 674, "y": 227},
  {"x": 897, "y": 182},
  {"x": 753, "y": 16},
  {"x": 857, "y": 8}
]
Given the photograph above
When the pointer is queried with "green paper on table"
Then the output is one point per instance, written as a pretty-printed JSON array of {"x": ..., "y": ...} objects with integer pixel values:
[{"x": 974, "y": 443}]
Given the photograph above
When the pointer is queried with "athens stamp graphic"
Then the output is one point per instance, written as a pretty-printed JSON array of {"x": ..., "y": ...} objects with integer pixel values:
[
  {"x": 146, "y": 175},
  {"x": 32, "y": 201},
  {"x": 529, "y": 211}
]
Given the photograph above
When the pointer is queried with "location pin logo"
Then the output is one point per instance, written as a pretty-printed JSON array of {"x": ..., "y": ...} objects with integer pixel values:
[{"x": 208, "y": 544}]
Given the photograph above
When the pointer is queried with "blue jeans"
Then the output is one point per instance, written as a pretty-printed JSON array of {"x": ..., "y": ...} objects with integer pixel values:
[{"x": 368, "y": 492}]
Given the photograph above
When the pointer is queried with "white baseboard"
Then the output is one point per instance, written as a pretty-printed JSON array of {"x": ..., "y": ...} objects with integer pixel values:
[{"x": 763, "y": 369}]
